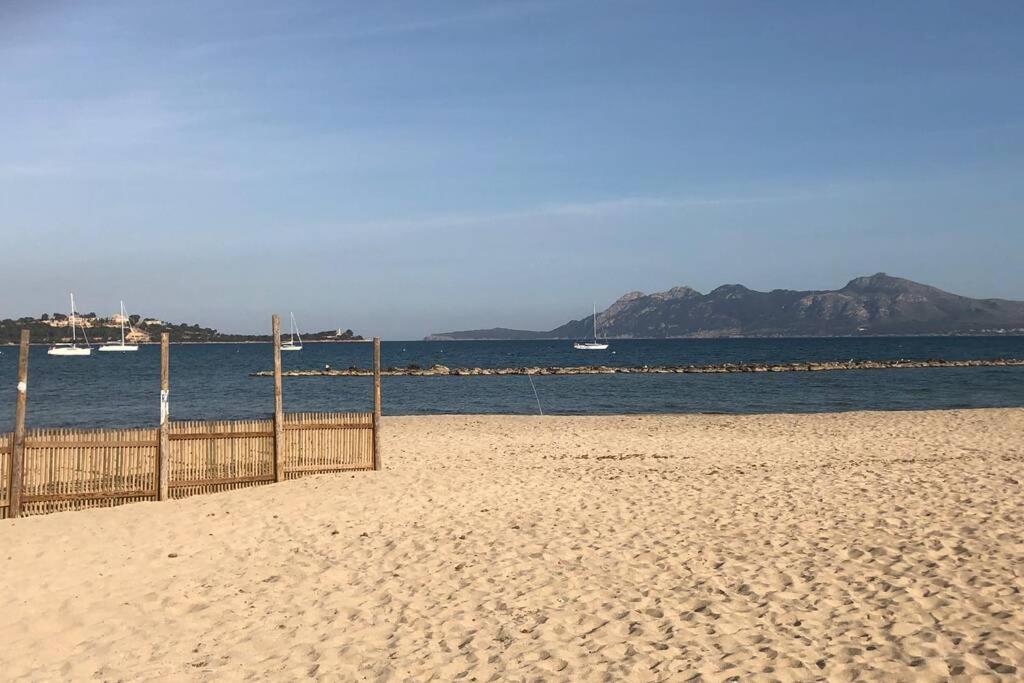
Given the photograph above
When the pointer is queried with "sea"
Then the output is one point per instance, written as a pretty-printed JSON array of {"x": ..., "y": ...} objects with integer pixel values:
[{"x": 213, "y": 381}]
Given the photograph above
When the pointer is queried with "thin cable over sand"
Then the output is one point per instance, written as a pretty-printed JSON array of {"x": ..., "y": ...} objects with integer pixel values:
[{"x": 884, "y": 545}]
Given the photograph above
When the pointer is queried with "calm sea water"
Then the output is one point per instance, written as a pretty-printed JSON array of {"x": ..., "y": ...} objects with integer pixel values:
[{"x": 212, "y": 381}]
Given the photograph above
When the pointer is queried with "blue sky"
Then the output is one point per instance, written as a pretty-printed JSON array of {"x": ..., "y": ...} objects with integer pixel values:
[{"x": 406, "y": 168}]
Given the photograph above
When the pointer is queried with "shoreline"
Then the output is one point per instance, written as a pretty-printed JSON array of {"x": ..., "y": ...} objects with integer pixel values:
[
  {"x": 978, "y": 335},
  {"x": 624, "y": 415},
  {"x": 896, "y": 335},
  {"x": 202, "y": 343}
]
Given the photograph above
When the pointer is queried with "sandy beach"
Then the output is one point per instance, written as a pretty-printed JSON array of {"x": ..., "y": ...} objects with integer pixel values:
[{"x": 872, "y": 546}]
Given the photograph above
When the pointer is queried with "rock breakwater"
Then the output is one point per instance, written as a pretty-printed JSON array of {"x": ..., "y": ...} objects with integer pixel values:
[{"x": 722, "y": 368}]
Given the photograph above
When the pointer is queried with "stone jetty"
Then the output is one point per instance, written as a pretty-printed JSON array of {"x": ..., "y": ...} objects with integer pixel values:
[{"x": 445, "y": 371}]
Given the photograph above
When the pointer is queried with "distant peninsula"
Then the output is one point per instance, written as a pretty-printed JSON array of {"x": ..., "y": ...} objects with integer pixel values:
[
  {"x": 878, "y": 304},
  {"x": 52, "y": 328}
]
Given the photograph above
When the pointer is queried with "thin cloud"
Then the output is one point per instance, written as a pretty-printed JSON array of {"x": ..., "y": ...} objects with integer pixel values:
[
  {"x": 592, "y": 209},
  {"x": 488, "y": 14},
  {"x": 417, "y": 26}
]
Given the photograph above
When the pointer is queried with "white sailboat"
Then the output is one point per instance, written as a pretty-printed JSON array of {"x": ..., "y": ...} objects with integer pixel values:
[
  {"x": 294, "y": 342},
  {"x": 122, "y": 346},
  {"x": 594, "y": 345},
  {"x": 72, "y": 349}
]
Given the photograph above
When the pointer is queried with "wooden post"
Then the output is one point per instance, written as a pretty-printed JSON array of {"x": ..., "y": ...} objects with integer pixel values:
[
  {"x": 275, "y": 323},
  {"x": 17, "y": 469},
  {"x": 163, "y": 451},
  {"x": 376, "y": 403}
]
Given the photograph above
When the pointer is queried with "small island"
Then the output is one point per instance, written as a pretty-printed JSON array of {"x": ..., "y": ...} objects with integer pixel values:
[{"x": 53, "y": 328}]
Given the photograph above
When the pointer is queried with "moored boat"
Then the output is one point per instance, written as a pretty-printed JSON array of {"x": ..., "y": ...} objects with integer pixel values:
[
  {"x": 72, "y": 348},
  {"x": 122, "y": 346},
  {"x": 294, "y": 342},
  {"x": 593, "y": 345}
]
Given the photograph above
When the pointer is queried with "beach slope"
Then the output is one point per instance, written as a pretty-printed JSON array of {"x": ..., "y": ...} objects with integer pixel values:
[{"x": 794, "y": 547}]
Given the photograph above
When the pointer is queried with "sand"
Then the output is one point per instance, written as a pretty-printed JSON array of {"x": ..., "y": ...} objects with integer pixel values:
[{"x": 879, "y": 546}]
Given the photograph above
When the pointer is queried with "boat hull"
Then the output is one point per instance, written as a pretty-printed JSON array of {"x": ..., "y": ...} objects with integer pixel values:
[
  {"x": 119, "y": 347},
  {"x": 589, "y": 346},
  {"x": 69, "y": 351},
  {"x": 286, "y": 347}
]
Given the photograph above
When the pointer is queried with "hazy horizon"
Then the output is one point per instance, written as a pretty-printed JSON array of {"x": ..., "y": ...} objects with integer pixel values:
[{"x": 404, "y": 169}]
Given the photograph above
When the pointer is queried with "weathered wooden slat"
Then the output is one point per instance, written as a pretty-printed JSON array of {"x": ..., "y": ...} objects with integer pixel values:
[
  {"x": 377, "y": 409},
  {"x": 39, "y": 444},
  {"x": 327, "y": 417},
  {"x": 221, "y": 480},
  {"x": 330, "y": 468},
  {"x": 86, "y": 495},
  {"x": 163, "y": 455},
  {"x": 5, "y": 473},
  {"x": 16, "y": 467},
  {"x": 279, "y": 447},
  {"x": 328, "y": 425},
  {"x": 199, "y": 436}
]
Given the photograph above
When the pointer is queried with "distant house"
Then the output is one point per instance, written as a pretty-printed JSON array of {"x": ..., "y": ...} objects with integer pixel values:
[
  {"x": 152, "y": 321},
  {"x": 117, "y": 319},
  {"x": 137, "y": 336},
  {"x": 80, "y": 320}
]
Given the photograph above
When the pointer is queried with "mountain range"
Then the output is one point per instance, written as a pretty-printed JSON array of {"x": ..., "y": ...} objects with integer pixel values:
[{"x": 874, "y": 305}]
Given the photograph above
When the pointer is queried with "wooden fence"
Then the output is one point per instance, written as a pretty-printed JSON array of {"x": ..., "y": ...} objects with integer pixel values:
[
  {"x": 72, "y": 469},
  {"x": 52, "y": 470},
  {"x": 5, "y": 473}
]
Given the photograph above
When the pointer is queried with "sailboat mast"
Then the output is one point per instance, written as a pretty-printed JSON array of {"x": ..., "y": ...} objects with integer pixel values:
[
  {"x": 595, "y": 322},
  {"x": 74, "y": 336},
  {"x": 122, "y": 323}
]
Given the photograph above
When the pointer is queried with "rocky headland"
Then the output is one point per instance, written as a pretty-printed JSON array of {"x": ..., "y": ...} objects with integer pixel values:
[{"x": 874, "y": 305}]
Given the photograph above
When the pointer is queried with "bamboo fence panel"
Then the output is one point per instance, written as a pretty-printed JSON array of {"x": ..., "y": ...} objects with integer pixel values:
[
  {"x": 221, "y": 455},
  {"x": 319, "y": 443},
  {"x": 75, "y": 469},
  {"x": 5, "y": 472}
]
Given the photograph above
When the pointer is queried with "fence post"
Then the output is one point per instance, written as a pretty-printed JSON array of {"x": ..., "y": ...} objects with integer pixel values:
[
  {"x": 17, "y": 469},
  {"x": 163, "y": 451},
  {"x": 376, "y": 403},
  {"x": 275, "y": 322}
]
